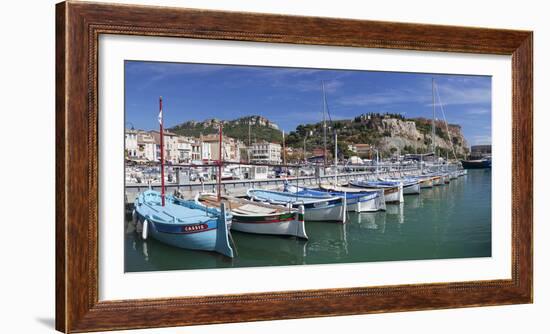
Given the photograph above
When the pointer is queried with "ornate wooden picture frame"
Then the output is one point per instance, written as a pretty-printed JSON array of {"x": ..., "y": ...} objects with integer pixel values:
[{"x": 78, "y": 27}]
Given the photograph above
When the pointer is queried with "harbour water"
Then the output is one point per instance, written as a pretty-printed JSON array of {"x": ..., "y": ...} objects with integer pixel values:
[{"x": 450, "y": 221}]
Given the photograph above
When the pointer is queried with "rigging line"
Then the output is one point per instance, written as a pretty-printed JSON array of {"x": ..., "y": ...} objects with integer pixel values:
[{"x": 445, "y": 120}]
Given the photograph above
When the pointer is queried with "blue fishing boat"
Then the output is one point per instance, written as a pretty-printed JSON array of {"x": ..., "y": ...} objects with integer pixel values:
[
  {"x": 393, "y": 191},
  {"x": 183, "y": 223},
  {"x": 316, "y": 209},
  {"x": 364, "y": 201}
]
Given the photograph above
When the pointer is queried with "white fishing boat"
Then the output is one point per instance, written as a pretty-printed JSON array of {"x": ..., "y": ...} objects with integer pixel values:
[
  {"x": 425, "y": 181},
  {"x": 257, "y": 217},
  {"x": 393, "y": 191},
  {"x": 316, "y": 209},
  {"x": 437, "y": 180},
  {"x": 411, "y": 186}
]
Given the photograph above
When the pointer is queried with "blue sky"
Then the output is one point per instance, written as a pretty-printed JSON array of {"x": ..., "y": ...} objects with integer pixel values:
[{"x": 292, "y": 96}]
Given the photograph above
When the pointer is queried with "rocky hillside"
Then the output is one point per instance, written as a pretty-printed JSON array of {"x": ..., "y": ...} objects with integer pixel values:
[
  {"x": 387, "y": 132},
  {"x": 415, "y": 135},
  {"x": 260, "y": 128}
]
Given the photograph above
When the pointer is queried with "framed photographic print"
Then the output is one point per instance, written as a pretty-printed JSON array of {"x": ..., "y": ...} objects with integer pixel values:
[{"x": 222, "y": 166}]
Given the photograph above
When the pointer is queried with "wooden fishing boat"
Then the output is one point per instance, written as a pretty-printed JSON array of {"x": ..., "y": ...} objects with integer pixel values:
[
  {"x": 411, "y": 186},
  {"x": 437, "y": 180},
  {"x": 182, "y": 223},
  {"x": 360, "y": 201},
  {"x": 425, "y": 181},
  {"x": 393, "y": 191},
  {"x": 257, "y": 217},
  {"x": 315, "y": 209}
]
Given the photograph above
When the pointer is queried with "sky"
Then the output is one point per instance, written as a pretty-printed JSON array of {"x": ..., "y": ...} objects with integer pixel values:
[{"x": 293, "y": 96}]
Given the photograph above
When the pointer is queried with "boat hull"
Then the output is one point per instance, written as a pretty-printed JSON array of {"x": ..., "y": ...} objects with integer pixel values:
[
  {"x": 285, "y": 224},
  {"x": 392, "y": 195},
  {"x": 205, "y": 240},
  {"x": 476, "y": 164},
  {"x": 316, "y": 209},
  {"x": 290, "y": 222},
  {"x": 413, "y": 189},
  {"x": 426, "y": 183},
  {"x": 356, "y": 202},
  {"x": 204, "y": 231},
  {"x": 334, "y": 212},
  {"x": 439, "y": 181},
  {"x": 377, "y": 203}
]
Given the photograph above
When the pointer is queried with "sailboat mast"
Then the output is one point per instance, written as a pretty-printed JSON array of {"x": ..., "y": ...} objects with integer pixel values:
[
  {"x": 161, "y": 121},
  {"x": 324, "y": 123},
  {"x": 220, "y": 162},
  {"x": 335, "y": 159},
  {"x": 249, "y": 142},
  {"x": 433, "y": 117},
  {"x": 284, "y": 149}
]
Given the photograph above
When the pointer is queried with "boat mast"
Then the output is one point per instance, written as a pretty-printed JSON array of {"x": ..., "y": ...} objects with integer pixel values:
[
  {"x": 335, "y": 159},
  {"x": 249, "y": 143},
  {"x": 161, "y": 120},
  {"x": 284, "y": 149},
  {"x": 433, "y": 118},
  {"x": 220, "y": 162},
  {"x": 324, "y": 122}
]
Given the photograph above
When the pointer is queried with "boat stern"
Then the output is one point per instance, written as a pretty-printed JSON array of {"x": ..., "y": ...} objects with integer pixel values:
[
  {"x": 222, "y": 234},
  {"x": 299, "y": 223}
]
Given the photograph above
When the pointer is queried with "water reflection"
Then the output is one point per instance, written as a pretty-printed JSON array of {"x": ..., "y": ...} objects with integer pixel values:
[
  {"x": 250, "y": 250},
  {"x": 374, "y": 221},
  {"x": 446, "y": 221},
  {"x": 413, "y": 202},
  {"x": 327, "y": 239},
  {"x": 397, "y": 211}
]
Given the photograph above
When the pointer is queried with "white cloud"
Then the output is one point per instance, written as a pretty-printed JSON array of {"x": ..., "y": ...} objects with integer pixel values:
[
  {"x": 477, "y": 111},
  {"x": 450, "y": 92},
  {"x": 481, "y": 140},
  {"x": 392, "y": 96},
  {"x": 457, "y": 95}
]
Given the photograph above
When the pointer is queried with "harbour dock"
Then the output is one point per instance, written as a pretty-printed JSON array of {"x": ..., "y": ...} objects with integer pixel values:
[{"x": 238, "y": 188}]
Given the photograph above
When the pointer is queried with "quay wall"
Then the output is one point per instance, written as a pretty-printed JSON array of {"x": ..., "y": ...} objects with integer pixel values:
[{"x": 239, "y": 187}]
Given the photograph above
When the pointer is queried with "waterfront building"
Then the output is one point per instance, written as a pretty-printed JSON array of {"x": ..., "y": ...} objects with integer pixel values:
[
  {"x": 171, "y": 152},
  {"x": 363, "y": 150},
  {"x": 266, "y": 152},
  {"x": 184, "y": 149},
  {"x": 230, "y": 148},
  {"x": 146, "y": 146},
  {"x": 196, "y": 151},
  {"x": 130, "y": 142}
]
